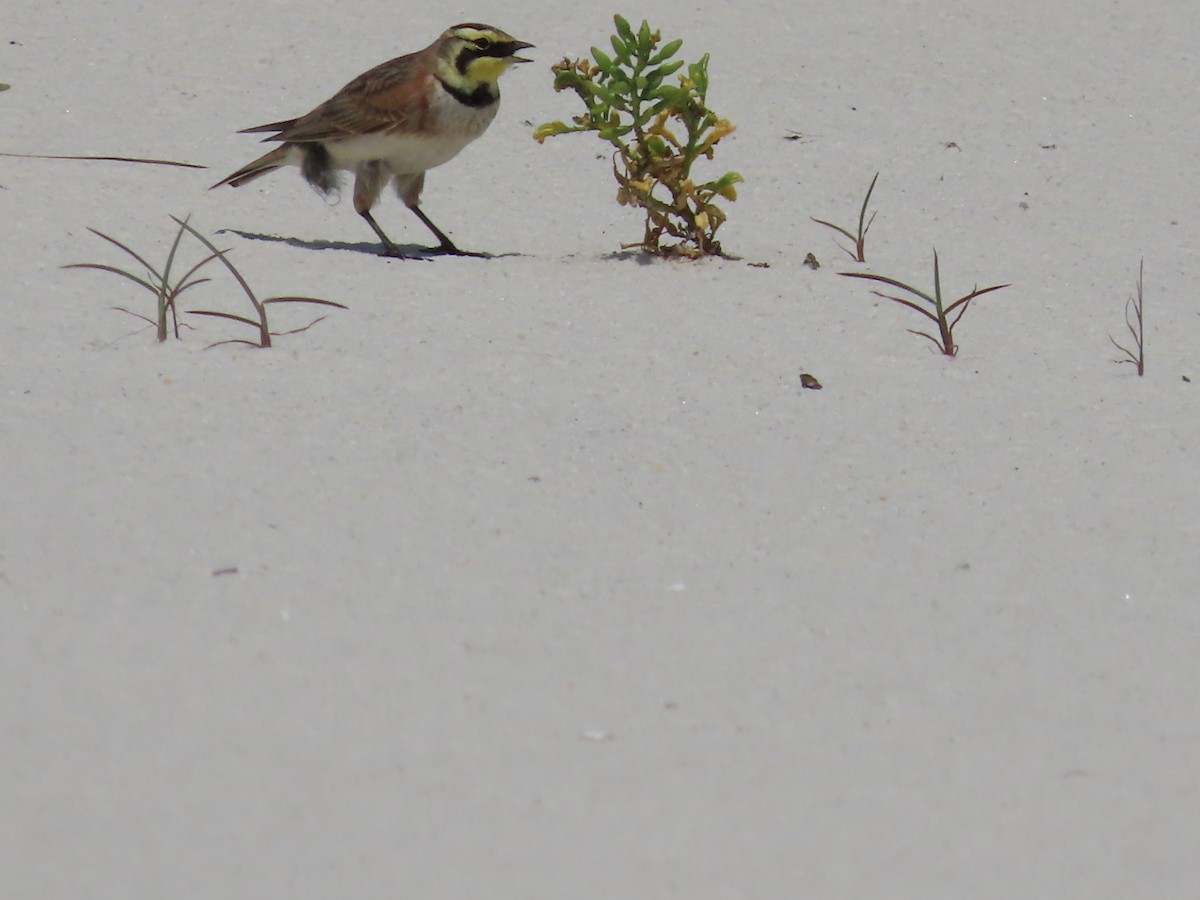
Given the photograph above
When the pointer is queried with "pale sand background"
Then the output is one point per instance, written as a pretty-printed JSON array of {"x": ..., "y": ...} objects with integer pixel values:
[{"x": 551, "y": 582}]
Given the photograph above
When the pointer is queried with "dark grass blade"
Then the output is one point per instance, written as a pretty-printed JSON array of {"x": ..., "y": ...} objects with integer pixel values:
[
  {"x": 314, "y": 300},
  {"x": 253, "y": 344},
  {"x": 302, "y": 328},
  {"x": 101, "y": 268},
  {"x": 931, "y": 338},
  {"x": 166, "y": 294},
  {"x": 183, "y": 284},
  {"x": 180, "y": 288},
  {"x": 128, "y": 250},
  {"x": 1129, "y": 353},
  {"x": 882, "y": 279},
  {"x": 971, "y": 296},
  {"x": 922, "y": 310},
  {"x": 862, "y": 213},
  {"x": 125, "y": 159},
  {"x": 864, "y": 225},
  {"x": 838, "y": 228},
  {"x": 961, "y": 313},
  {"x": 136, "y": 315},
  {"x": 224, "y": 315},
  {"x": 220, "y": 254}
]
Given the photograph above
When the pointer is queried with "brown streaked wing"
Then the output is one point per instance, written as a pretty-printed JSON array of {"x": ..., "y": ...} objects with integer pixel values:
[{"x": 385, "y": 98}]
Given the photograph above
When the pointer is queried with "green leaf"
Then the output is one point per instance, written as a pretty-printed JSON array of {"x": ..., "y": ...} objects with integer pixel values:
[
  {"x": 655, "y": 76},
  {"x": 643, "y": 38},
  {"x": 619, "y": 84},
  {"x": 571, "y": 79},
  {"x": 620, "y": 49},
  {"x": 604, "y": 62},
  {"x": 625, "y": 31},
  {"x": 550, "y": 129},
  {"x": 724, "y": 183},
  {"x": 671, "y": 94},
  {"x": 657, "y": 108},
  {"x": 667, "y": 52},
  {"x": 601, "y": 92},
  {"x": 4, "y": 87},
  {"x": 614, "y": 135}
]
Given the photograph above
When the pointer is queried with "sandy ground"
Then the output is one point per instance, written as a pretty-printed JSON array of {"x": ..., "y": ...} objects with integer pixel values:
[{"x": 541, "y": 576}]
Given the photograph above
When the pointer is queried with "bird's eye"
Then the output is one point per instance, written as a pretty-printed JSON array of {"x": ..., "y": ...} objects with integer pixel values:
[{"x": 482, "y": 43}]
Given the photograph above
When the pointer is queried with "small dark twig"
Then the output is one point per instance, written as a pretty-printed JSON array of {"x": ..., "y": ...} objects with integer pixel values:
[{"x": 1136, "y": 327}]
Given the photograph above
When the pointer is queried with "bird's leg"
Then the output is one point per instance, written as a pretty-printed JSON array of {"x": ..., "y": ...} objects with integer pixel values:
[
  {"x": 369, "y": 179},
  {"x": 389, "y": 249},
  {"x": 408, "y": 188},
  {"x": 446, "y": 247}
]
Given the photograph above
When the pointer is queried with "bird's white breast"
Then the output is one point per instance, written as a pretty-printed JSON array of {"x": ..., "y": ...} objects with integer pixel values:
[{"x": 454, "y": 125}]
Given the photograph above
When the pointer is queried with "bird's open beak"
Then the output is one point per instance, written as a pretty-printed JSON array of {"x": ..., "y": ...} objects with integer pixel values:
[{"x": 520, "y": 45}]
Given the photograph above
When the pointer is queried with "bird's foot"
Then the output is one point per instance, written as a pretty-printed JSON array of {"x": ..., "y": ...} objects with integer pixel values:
[
  {"x": 396, "y": 251},
  {"x": 449, "y": 249}
]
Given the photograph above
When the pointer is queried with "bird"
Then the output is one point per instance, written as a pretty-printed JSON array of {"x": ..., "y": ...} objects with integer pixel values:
[{"x": 394, "y": 122}]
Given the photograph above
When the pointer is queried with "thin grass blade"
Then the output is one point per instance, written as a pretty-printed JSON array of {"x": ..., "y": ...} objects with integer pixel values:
[
  {"x": 838, "y": 228},
  {"x": 193, "y": 270},
  {"x": 180, "y": 288},
  {"x": 961, "y": 313},
  {"x": 234, "y": 341},
  {"x": 102, "y": 268},
  {"x": 224, "y": 315},
  {"x": 220, "y": 254},
  {"x": 128, "y": 250},
  {"x": 314, "y": 300},
  {"x": 971, "y": 296},
  {"x": 1129, "y": 353},
  {"x": 303, "y": 328},
  {"x": 883, "y": 279},
  {"x": 136, "y": 315},
  {"x": 125, "y": 159},
  {"x": 930, "y": 337},
  {"x": 863, "y": 211},
  {"x": 922, "y": 310}
]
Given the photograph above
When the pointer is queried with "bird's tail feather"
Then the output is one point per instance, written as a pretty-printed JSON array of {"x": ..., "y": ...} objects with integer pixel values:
[{"x": 268, "y": 162}]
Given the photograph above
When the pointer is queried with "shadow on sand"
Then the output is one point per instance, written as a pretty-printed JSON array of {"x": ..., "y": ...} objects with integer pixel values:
[{"x": 370, "y": 248}]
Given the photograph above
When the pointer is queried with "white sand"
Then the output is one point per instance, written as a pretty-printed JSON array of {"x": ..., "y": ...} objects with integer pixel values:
[{"x": 540, "y": 576}]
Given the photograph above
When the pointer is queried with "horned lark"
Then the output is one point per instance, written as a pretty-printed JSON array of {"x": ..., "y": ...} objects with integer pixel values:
[{"x": 396, "y": 121}]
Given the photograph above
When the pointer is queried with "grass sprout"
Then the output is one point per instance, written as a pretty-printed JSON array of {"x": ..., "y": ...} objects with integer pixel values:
[
  {"x": 157, "y": 282},
  {"x": 1137, "y": 328},
  {"x": 859, "y": 254},
  {"x": 167, "y": 289},
  {"x": 260, "y": 306},
  {"x": 938, "y": 311}
]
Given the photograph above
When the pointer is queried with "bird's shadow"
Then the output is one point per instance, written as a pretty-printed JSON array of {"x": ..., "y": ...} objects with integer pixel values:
[{"x": 370, "y": 248}]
